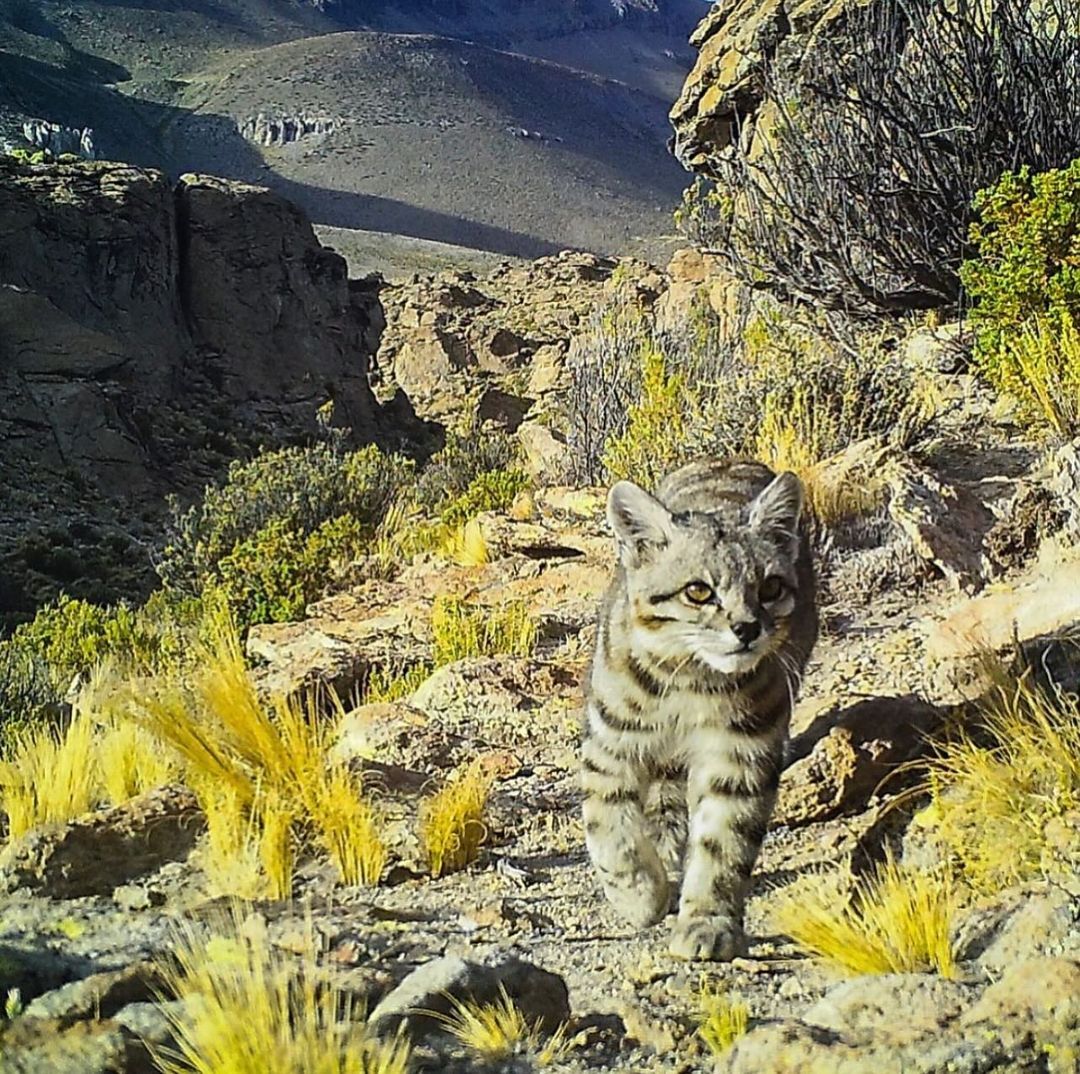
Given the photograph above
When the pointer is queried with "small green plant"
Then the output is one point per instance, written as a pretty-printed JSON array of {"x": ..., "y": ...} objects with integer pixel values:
[
  {"x": 895, "y": 921},
  {"x": 656, "y": 431},
  {"x": 465, "y": 458},
  {"x": 392, "y": 684},
  {"x": 705, "y": 212},
  {"x": 722, "y": 1020},
  {"x": 273, "y": 575},
  {"x": 1025, "y": 291},
  {"x": 461, "y": 631},
  {"x": 493, "y": 490},
  {"x": 452, "y": 821},
  {"x": 13, "y": 1004}
]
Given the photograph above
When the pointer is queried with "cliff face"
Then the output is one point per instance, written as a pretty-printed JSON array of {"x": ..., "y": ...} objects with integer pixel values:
[{"x": 147, "y": 333}]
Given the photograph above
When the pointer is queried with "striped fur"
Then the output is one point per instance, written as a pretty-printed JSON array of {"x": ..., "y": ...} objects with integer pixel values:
[{"x": 702, "y": 638}]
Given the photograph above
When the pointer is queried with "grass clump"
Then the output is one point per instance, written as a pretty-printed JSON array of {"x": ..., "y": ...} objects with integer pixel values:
[
  {"x": 896, "y": 920},
  {"x": 263, "y": 773},
  {"x": 496, "y": 1031},
  {"x": 999, "y": 794},
  {"x": 460, "y": 631},
  {"x": 46, "y": 777},
  {"x": 790, "y": 391},
  {"x": 721, "y": 1019},
  {"x": 51, "y": 773},
  {"x": 253, "y": 1009},
  {"x": 1025, "y": 291},
  {"x": 392, "y": 684},
  {"x": 453, "y": 827}
]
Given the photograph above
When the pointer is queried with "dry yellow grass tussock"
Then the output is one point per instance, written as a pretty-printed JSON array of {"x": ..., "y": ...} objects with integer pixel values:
[
  {"x": 460, "y": 630},
  {"x": 264, "y": 775},
  {"x": 53, "y": 774},
  {"x": 895, "y": 921},
  {"x": 452, "y": 821},
  {"x": 466, "y": 545},
  {"x": 49, "y": 777},
  {"x": 256, "y": 1010},
  {"x": 997, "y": 802},
  {"x": 495, "y": 1031}
]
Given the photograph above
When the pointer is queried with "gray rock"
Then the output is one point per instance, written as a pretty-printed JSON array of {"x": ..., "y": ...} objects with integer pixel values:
[
  {"x": 1021, "y": 924},
  {"x": 41, "y": 1046},
  {"x": 864, "y": 1009},
  {"x": 152, "y": 1022},
  {"x": 428, "y": 991},
  {"x": 92, "y": 855},
  {"x": 101, "y": 995}
]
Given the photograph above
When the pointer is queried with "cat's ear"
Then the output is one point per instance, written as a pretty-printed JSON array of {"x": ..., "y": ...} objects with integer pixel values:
[
  {"x": 640, "y": 521},
  {"x": 776, "y": 510}
]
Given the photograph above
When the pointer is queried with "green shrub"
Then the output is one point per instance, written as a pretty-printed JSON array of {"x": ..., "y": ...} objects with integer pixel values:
[
  {"x": 789, "y": 393},
  {"x": 655, "y": 434},
  {"x": 71, "y": 636},
  {"x": 268, "y": 539},
  {"x": 272, "y": 576},
  {"x": 465, "y": 457},
  {"x": 68, "y": 638},
  {"x": 493, "y": 490},
  {"x": 1025, "y": 292},
  {"x": 26, "y": 688},
  {"x": 850, "y": 186}
]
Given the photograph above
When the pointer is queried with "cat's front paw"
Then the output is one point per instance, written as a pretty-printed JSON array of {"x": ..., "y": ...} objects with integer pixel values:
[
  {"x": 644, "y": 897},
  {"x": 716, "y": 939}
]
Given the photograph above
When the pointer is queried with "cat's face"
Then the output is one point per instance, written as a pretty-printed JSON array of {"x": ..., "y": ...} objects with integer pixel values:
[{"x": 718, "y": 588}]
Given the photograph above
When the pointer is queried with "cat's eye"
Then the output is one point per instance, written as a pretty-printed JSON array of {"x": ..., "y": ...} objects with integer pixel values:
[
  {"x": 698, "y": 592},
  {"x": 771, "y": 589}
]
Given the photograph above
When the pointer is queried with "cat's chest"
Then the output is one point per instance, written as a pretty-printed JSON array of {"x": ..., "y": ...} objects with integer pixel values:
[{"x": 682, "y": 717}]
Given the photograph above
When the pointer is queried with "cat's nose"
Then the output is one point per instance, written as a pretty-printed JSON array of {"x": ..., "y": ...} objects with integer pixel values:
[{"x": 747, "y": 631}]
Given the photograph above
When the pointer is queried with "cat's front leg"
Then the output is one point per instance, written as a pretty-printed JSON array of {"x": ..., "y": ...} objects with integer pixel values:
[
  {"x": 731, "y": 791},
  {"x": 617, "y": 837}
]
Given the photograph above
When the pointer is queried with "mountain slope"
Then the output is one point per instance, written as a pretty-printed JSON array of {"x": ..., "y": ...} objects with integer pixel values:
[
  {"x": 439, "y": 139},
  {"x": 475, "y": 143}
]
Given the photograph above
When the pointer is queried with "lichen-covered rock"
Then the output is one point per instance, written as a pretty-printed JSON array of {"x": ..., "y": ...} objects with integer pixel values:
[{"x": 735, "y": 42}]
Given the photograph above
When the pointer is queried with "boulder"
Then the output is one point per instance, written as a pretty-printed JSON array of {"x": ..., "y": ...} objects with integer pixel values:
[
  {"x": 101, "y": 995},
  {"x": 429, "y": 991},
  {"x": 94, "y": 854},
  {"x": 42, "y": 1046},
  {"x": 1042, "y": 603},
  {"x": 945, "y": 523},
  {"x": 837, "y": 764}
]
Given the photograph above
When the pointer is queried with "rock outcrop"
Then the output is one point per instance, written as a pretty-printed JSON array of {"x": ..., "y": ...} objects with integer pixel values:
[
  {"x": 146, "y": 332},
  {"x": 58, "y": 139},
  {"x": 284, "y": 130},
  {"x": 736, "y": 41}
]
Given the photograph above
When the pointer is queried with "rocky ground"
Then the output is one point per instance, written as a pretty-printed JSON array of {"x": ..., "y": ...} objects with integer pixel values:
[{"x": 91, "y": 905}]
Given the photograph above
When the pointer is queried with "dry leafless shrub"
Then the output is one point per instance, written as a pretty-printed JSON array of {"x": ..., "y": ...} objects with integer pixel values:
[{"x": 857, "y": 191}]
